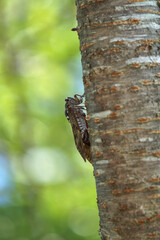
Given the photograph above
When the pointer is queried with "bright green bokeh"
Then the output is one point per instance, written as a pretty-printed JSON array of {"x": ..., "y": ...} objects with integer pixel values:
[{"x": 50, "y": 192}]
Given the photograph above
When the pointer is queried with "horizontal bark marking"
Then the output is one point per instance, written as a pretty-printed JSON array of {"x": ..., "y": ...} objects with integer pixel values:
[
  {"x": 122, "y": 22},
  {"x": 113, "y": 89},
  {"x": 99, "y": 172},
  {"x": 87, "y": 84},
  {"x": 134, "y": 40},
  {"x": 114, "y": 50},
  {"x": 144, "y": 41},
  {"x": 147, "y": 82},
  {"x": 154, "y": 196},
  {"x": 100, "y": 51},
  {"x": 134, "y": 89},
  {"x": 117, "y": 107},
  {"x": 152, "y": 25},
  {"x": 113, "y": 115},
  {"x": 128, "y": 191},
  {"x": 83, "y": 6},
  {"x": 101, "y": 162},
  {"x": 102, "y": 90},
  {"x": 133, "y": 182},
  {"x": 119, "y": 132},
  {"x": 130, "y": 3},
  {"x": 138, "y": 65},
  {"x": 98, "y": 154},
  {"x": 115, "y": 220},
  {"x": 101, "y": 133},
  {"x": 147, "y": 219},
  {"x": 118, "y": 229},
  {"x": 150, "y": 159},
  {"x": 155, "y": 154},
  {"x": 87, "y": 45},
  {"x": 120, "y": 42},
  {"x": 147, "y": 10},
  {"x": 99, "y": 70},
  {"x": 158, "y": 75},
  {"x": 103, "y": 50},
  {"x": 147, "y": 59},
  {"x": 146, "y": 139},
  {"x": 135, "y": 3},
  {"x": 103, "y": 205},
  {"x": 149, "y": 156},
  {"x": 109, "y": 114},
  {"x": 156, "y": 180},
  {"x": 152, "y": 234},
  {"x": 96, "y": 120},
  {"x": 115, "y": 74},
  {"x": 129, "y": 131},
  {"x": 146, "y": 120},
  {"x": 156, "y": 83},
  {"x": 103, "y": 114},
  {"x": 98, "y": 140},
  {"x": 155, "y": 131},
  {"x": 111, "y": 181},
  {"x": 141, "y": 17}
]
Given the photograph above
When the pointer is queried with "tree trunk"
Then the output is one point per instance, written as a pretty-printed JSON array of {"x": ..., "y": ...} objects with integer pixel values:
[{"x": 119, "y": 43}]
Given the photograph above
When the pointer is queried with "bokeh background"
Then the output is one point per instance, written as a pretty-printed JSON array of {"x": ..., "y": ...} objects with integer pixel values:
[{"x": 47, "y": 192}]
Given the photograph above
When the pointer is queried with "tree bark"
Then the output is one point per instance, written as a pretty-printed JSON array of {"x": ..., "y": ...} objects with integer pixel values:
[{"x": 120, "y": 48}]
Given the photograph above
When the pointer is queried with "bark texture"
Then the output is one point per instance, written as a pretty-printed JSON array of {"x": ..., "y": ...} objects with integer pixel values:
[{"x": 120, "y": 47}]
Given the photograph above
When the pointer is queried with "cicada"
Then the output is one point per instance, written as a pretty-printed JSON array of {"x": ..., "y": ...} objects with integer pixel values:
[{"x": 77, "y": 118}]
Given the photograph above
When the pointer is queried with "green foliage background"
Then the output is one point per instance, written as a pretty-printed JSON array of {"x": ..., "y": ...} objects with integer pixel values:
[{"x": 50, "y": 192}]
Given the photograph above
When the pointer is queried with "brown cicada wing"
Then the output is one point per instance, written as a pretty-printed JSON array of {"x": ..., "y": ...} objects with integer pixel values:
[
  {"x": 77, "y": 118},
  {"x": 86, "y": 145},
  {"x": 74, "y": 119}
]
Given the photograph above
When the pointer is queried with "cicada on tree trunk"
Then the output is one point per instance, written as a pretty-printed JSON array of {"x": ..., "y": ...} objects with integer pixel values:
[{"x": 77, "y": 118}]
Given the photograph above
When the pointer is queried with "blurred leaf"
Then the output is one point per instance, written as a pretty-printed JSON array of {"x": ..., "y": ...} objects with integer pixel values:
[{"x": 51, "y": 190}]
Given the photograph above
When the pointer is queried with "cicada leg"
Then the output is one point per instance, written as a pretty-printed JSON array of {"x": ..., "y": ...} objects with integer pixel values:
[{"x": 79, "y": 100}]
